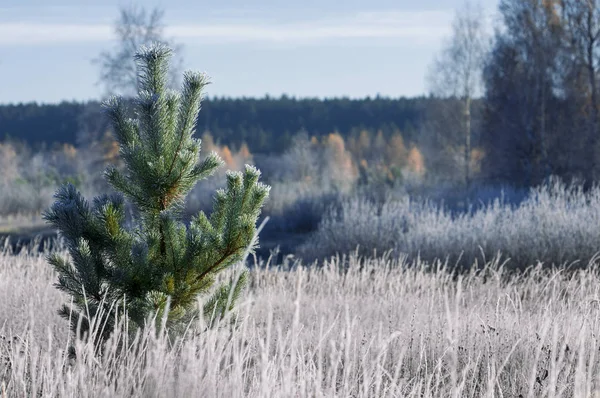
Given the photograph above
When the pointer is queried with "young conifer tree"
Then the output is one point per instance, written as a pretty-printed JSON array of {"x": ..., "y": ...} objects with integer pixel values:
[{"x": 157, "y": 259}]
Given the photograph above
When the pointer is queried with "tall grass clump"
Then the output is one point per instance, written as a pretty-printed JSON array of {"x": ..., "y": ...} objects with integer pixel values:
[{"x": 556, "y": 224}]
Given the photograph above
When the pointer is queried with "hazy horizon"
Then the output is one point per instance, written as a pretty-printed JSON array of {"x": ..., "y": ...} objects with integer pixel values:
[{"x": 313, "y": 50}]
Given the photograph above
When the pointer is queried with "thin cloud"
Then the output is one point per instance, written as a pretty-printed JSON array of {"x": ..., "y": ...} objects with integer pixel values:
[
  {"x": 418, "y": 27},
  {"x": 46, "y": 33}
]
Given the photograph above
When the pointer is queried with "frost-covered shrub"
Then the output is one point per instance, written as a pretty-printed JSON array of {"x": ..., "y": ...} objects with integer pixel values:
[{"x": 556, "y": 224}]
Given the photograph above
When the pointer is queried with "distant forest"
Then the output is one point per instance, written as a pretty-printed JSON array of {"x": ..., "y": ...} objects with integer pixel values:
[
  {"x": 266, "y": 125},
  {"x": 513, "y": 109}
]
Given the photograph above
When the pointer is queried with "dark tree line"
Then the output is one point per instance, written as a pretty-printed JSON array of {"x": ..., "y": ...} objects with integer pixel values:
[
  {"x": 265, "y": 124},
  {"x": 41, "y": 124}
]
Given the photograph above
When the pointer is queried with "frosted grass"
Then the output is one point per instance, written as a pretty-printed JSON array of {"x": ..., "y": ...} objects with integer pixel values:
[
  {"x": 374, "y": 327},
  {"x": 556, "y": 224}
]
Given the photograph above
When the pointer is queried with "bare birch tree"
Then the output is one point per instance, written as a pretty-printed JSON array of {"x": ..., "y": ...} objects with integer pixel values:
[
  {"x": 456, "y": 71},
  {"x": 135, "y": 27}
]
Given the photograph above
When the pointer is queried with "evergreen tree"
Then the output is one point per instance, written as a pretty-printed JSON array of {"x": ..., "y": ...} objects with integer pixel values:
[{"x": 154, "y": 264}]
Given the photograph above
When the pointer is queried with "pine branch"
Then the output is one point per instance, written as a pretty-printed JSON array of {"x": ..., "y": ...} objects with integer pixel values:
[{"x": 190, "y": 107}]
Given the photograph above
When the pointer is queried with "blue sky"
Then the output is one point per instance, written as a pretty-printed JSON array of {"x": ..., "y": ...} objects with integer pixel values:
[{"x": 308, "y": 48}]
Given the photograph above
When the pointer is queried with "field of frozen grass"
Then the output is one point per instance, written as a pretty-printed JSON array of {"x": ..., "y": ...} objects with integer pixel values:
[{"x": 349, "y": 328}]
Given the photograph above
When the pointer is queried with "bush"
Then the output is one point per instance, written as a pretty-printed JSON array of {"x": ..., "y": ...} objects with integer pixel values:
[{"x": 556, "y": 224}]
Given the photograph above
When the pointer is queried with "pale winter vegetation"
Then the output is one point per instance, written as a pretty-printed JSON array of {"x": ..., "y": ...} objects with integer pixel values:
[
  {"x": 366, "y": 206},
  {"x": 307, "y": 178},
  {"x": 556, "y": 224},
  {"x": 373, "y": 327}
]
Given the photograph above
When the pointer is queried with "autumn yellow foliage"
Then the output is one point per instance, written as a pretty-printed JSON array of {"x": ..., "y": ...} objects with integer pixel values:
[{"x": 416, "y": 162}]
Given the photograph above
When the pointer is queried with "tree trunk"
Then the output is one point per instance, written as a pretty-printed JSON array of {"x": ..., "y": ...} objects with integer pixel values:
[
  {"x": 594, "y": 111},
  {"x": 543, "y": 139},
  {"x": 467, "y": 114}
]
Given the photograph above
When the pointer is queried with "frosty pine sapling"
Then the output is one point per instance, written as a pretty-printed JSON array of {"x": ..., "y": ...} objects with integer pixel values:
[{"x": 158, "y": 260}]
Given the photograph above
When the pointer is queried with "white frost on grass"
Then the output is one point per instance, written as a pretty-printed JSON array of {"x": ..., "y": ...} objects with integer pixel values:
[
  {"x": 376, "y": 328},
  {"x": 557, "y": 224}
]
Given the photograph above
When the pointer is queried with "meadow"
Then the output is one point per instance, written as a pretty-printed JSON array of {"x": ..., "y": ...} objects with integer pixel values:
[{"x": 352, "y": 327}]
